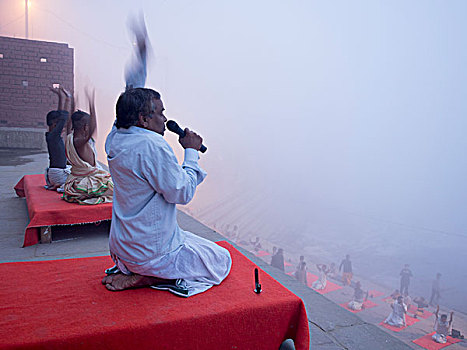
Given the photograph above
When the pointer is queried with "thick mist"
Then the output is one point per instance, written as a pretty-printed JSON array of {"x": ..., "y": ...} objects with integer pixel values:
[{"x": 331, "y": 127}]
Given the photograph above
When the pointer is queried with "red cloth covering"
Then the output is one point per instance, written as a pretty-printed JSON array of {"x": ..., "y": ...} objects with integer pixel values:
[
  {"x": 413, "y": 309},
  {"x": 262, "y": 253},
  {"x": 61, "y": 304},
  {"x": 374, "y": 293},
  {"x": 367, "y": 304},
  {"x": 47, "y": 208},
  {"x": 408, "y": 320},
  {"x": 429, "y": 344},
  {"x": 330, "y": 287}
]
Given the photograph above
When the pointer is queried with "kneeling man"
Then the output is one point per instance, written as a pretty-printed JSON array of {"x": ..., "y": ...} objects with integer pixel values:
[{"x": 146, "y": 243}]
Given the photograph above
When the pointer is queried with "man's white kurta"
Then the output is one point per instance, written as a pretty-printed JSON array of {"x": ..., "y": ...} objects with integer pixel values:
[{"x": 144, "y": 236}]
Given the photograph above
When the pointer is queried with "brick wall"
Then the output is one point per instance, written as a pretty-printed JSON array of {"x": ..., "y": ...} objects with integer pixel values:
[{"x": 25, "y": 98}]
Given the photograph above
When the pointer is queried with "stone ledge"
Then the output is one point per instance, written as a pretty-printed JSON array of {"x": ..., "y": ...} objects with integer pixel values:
[
  {"x": 30, "y": 138},
  {"x": 331, "y": 326}
]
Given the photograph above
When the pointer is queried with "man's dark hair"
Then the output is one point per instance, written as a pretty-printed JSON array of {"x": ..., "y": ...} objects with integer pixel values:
[
  {"x": 79, "y": 119},
  {"x": 133, "y": 103},
  {"x": 52, "y": 116}
]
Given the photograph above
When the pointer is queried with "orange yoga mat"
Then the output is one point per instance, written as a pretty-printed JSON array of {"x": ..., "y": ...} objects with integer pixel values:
[
  {"x": 330, "y": 287},
  {"x": 408, "y": 320},
  {"x": 425, "y": 314},
  {"x": 428, "y": 343},
  {"x": 262, "y": 253},
  {"x": 367, "y": 304}
]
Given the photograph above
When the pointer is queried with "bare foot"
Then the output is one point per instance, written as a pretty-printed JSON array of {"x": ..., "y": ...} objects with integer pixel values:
[
  {"x": 120, "y": 281},
  {"x": 54, "y": 187},
  {"x": 109, "y": 278}
]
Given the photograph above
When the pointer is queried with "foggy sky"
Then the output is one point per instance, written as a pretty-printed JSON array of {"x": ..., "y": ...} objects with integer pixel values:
[{"x": 358, "y": 106}]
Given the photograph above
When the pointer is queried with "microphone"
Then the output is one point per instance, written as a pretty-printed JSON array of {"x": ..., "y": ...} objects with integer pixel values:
[
  {"x": 173, "y": 126},
  {"x": 257, "y": 285}
]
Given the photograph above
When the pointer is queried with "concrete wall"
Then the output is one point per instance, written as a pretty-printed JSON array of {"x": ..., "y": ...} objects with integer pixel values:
[{"x": 27, "y": 69}]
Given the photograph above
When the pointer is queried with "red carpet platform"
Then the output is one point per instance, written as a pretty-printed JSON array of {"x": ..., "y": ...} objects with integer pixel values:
[
  {"x": 62, "y": 304},
  {"x": 408, "y": 319},
  {"x": 47, "y": 208},
  {"x": 367, "y": 304},
  {"x": 429, "y": 344}
]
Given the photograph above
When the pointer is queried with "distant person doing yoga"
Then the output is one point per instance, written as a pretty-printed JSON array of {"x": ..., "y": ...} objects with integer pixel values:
[
  {"x": 322, "y": 280},
  {"x": 406, "y": 275},
  {"x": 301, "y": 272},
  {"x": 346, "y": 267},
  {"x": 397, "y": 316},
  {"x": 358, "y": 299},
  {"x": 435, "y": 290},
  {"x": 442, "y": 327}
]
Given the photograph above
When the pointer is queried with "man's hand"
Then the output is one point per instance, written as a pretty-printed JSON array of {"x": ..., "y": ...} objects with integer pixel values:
[
  {"x": 67, "y": 95},
  {"x": 191, "y": 140},
  {"x": 58, "y": 92},
  {"x": 65, "y": 92},
  {"x": 73, "y": 103},
  {"x": 91, "y": 96},
  {"x": 55, "y": 90}
]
